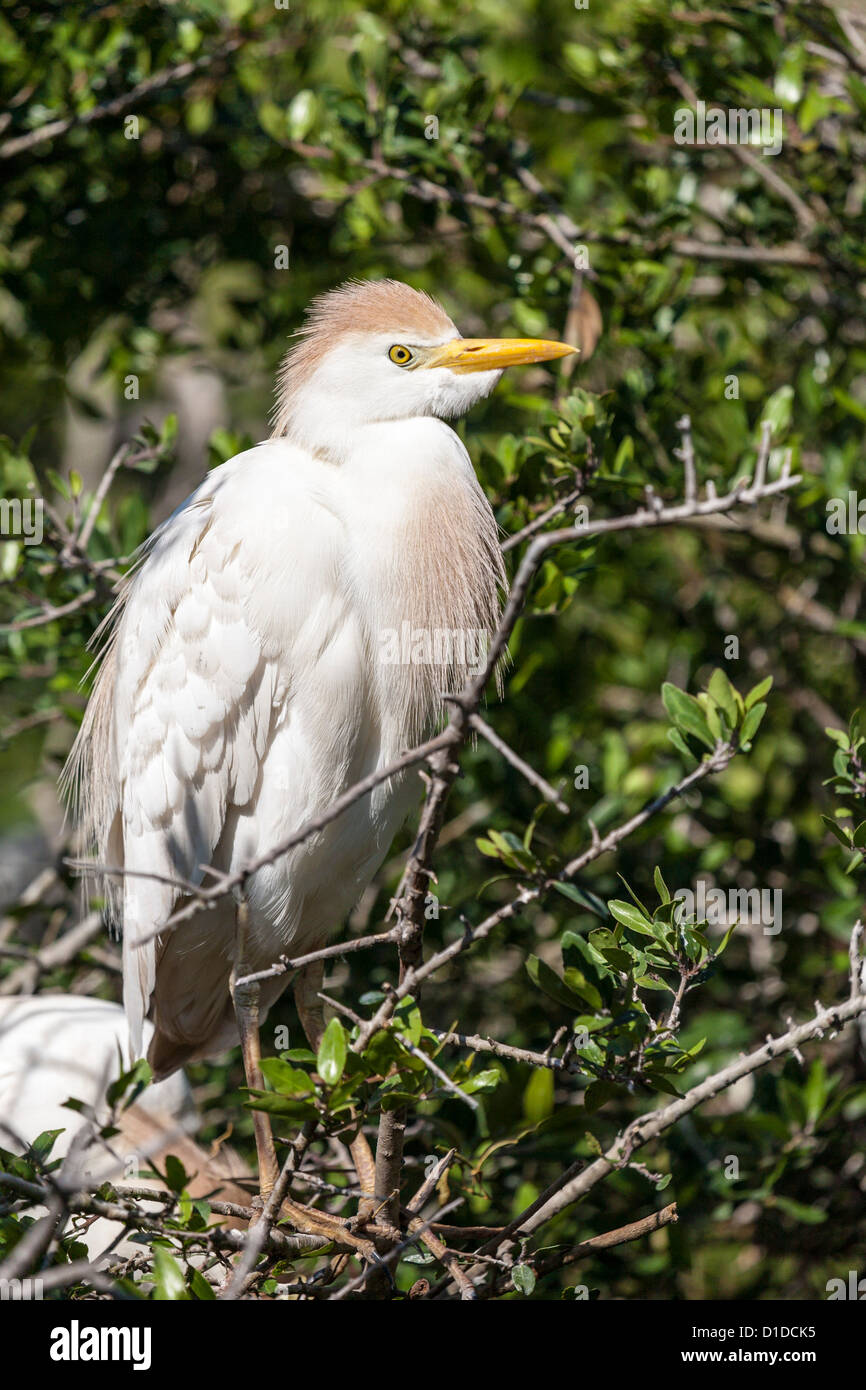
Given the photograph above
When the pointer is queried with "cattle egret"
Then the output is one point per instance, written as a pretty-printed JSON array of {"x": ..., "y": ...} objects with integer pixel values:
[
  {"x": 250, "y": 677},
  {"x": 57, "y": 1047}
]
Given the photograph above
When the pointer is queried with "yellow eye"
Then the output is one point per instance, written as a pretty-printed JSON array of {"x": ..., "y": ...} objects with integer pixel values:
[{"x": 399, "y": 354}]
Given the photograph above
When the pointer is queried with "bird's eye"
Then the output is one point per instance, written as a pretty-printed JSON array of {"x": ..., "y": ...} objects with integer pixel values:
[{"x": 399, "y": 354}]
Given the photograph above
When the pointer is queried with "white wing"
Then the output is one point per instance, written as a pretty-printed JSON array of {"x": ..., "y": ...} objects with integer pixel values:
[
  {"x": 194, "y": 683},
  {"x": 194, "y": 699}
]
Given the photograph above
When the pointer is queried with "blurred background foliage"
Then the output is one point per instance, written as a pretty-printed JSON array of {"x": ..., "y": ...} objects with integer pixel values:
[{"x": 519, "y": 162}]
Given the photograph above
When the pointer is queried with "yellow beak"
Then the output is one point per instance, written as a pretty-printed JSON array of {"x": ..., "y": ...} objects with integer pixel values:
[{"x": 491, "y": 354}]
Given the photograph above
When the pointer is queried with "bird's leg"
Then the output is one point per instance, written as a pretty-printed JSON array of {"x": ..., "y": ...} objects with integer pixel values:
[
  {"x": 245, "y": 998},
  {"x": 308, "y": 983},
  {"x": 246, "y": 1001}
]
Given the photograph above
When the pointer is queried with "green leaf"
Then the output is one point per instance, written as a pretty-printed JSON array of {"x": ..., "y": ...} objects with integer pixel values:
[
  {"x": 396, "y": 1100},
  {"x": 758, "y": 692},
  {"x": 715, "y": 718},
  {"x": 723, "y": 693},
  {"x": 301, "y": 115},
  {"x": 752, "y": 722},
  {"x": 816, "y": 1091},
  {"x": 285, "y": 1079},
  {"x": 481, "y": 1081},
  {"x": 133, "y": 1080},
  {"x": 693, "y": 1051},
  {"x": 547, "y": 980},
  {"x": 592, "y": 1143},
  {"x": 685, "y": 711},
  {"x": 280, "y": 1105},
  {"x": 409, "y": 1016},
  {"x": 168, "y": 1277},
  {"x": 810, "y": 1216},
  {"x": 660, "y": 1082},
  {"x": 582, "y": 896},
  {"x": 682, "y": 747},
  {"x": 200, "y": 1287},
  {"x": 523, "y": 1279},
  {"x": 577, "y": 981},
  {"x": 841, "y": 835},
  {"x": 631, "y": 917},
  {"x": 175, "y": 1174},
  {"x": 633, "y": 895},
  {"x": 839, "y": 736},
  {"x": 487, "y": 847},
  {"x": 538, "y": 1095},
  {"x": 331, "y": 1057},
  {"x": 661, "y": 886},
  {"x": 849, "y": 403},
  {"x": 788, "y": 83},
  {"x": 619, "y": 959},
  {"x": 598, "y": 1094},
  {"x": 777, "y": 410},
  {"x": 44, "y": 1143},
  {"x": 723, "y": 944}
]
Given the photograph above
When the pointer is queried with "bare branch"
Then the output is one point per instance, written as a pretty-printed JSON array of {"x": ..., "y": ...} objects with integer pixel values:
[{"x": 533, "y": 778}]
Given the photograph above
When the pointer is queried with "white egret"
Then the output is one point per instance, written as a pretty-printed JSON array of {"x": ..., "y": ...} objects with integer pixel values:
[
  {"x": 57, "y": 1047},
  {"x": 244, "y": 687}
]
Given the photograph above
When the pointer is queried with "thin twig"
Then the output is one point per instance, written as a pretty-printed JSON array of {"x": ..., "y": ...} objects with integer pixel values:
[{"x": 533, "y": 778}]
